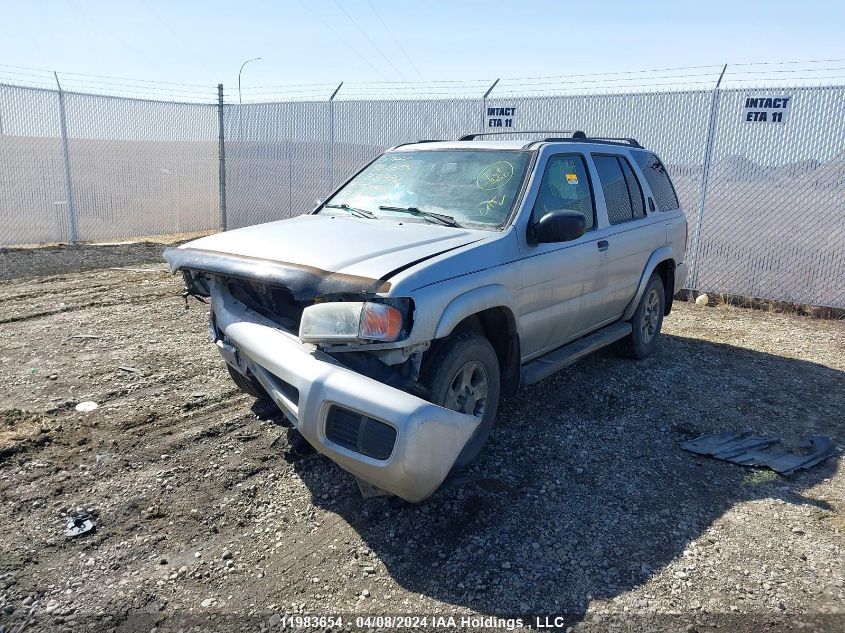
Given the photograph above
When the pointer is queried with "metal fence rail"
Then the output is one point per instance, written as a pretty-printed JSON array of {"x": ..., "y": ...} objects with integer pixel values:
[{"x": 766, "y": 202}]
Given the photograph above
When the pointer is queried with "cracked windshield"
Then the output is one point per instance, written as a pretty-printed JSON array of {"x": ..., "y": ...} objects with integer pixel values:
[{"x": 456, "y": 188}]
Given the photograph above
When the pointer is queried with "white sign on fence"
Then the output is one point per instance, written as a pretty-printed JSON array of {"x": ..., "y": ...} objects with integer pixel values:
[
  {"x": 766, "y": 109},
  {"x": 500, "y": 117}
]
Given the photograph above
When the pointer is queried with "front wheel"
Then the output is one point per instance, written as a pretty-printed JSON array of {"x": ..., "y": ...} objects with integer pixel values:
[
  {"x": 463, "y": 375},
  {"x": 647, "y": 321}
]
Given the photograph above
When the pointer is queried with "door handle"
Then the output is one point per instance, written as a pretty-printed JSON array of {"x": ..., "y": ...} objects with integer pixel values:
[{"x": 603, "y": 245}]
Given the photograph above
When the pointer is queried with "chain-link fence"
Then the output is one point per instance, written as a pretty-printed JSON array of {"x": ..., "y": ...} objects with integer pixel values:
[
  {"x": 773, "y": 221},
  {"x": 79, "y": 167},
  {"x": 765, "y": 201}
]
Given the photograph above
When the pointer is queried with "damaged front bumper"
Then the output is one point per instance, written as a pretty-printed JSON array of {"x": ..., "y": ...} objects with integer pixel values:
[{"x": 390, "y": 438}]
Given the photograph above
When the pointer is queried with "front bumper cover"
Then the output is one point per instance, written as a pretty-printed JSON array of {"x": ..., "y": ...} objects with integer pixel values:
[{"x": 429, "y": 438}]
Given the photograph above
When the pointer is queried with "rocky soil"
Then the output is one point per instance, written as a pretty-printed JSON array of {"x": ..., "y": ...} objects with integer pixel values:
[{"x": 209, "y": 514}]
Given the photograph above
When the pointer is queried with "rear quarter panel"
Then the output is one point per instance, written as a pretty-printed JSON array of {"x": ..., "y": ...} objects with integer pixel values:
[{"x": 676, "y": 233}]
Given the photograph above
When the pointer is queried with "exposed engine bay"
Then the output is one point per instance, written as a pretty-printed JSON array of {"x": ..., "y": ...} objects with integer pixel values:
[{"x": 396, "y": 367}]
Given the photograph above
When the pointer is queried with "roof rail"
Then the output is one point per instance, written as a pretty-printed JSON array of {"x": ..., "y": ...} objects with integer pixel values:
[
  {"x": 422, "y": 140},
  {"x": 574, "y": 136},
  {"x": 616, "y": 139},
  {"x": 626, "y": 142},
  {"x": 572, "y": 133}
]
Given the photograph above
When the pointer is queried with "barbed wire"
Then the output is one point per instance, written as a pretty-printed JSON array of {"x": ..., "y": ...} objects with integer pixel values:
[
  {"x": 693, "y": 77},
  {"x": 784, "y": 63},
  {"x": 64, "y": 73},
  {"x": 97, "y": 85}
]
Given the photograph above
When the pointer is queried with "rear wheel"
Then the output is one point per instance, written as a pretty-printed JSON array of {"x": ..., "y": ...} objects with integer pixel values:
[
  {"x": 248, "y": 385},
  {"x": 647, "y": 321},
  {"x": 463, "y": 375}
]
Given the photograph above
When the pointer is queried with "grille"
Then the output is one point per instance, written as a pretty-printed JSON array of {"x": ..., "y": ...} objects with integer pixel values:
[
  {"x": 276, "y": 304},
  {"x": 360, "y": 433}
]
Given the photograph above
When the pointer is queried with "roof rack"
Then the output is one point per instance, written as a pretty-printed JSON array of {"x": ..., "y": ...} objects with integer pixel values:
[
  {"x": 576, "y": 136},
  {"x": 571, "y": 133},
  {"x": 422, "y": 140},
  {"x": 624, "y": 140}
]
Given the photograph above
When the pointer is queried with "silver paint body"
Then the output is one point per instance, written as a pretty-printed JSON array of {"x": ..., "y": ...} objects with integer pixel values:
[{"x": 556, "y": 292}]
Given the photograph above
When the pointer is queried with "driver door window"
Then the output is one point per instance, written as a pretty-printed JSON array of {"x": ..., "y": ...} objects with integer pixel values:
[{"x": 565, "y": 185}]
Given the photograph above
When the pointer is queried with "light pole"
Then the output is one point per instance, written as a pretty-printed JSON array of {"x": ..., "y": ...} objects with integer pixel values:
[{"x": 254, "y": 59}]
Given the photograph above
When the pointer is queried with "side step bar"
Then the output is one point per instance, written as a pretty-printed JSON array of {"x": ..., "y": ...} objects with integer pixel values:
[{"x": 559, "y": 358}]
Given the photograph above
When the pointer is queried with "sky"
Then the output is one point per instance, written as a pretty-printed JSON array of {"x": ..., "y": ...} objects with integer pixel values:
[{"x": 203, "y": 43}]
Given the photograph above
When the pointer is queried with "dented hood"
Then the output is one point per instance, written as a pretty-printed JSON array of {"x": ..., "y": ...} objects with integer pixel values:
[{"x": 321, "y": 253}]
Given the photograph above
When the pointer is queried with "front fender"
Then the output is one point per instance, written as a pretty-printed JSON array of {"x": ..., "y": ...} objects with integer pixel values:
[
  {"x": 660, "y": 255},
  {"x": 472, "y": 302}
]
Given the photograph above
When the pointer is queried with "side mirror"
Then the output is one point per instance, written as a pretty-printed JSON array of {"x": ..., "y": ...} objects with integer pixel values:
[{"x": 560, "y": 225}]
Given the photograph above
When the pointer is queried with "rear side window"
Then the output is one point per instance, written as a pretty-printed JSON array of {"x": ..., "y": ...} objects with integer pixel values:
[
  {"x": 634, "y": 189},
  {"x": 566, "y": 185},
  {"x": 658, "y": 179},
  {"x": 622, "y": 192}
]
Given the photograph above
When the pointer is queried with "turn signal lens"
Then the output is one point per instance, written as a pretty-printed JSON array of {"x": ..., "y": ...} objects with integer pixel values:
[{"x": 380, "y": 322}]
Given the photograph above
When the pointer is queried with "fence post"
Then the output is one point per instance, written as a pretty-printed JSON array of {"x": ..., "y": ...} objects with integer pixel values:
[
  {"x": 331, "y": 136},
  {"x": 73, "y": 235},
  {"x": 484, "y": 104},
  {"x": 709, "y": 141},
  {"x": 221, "y": 150}
]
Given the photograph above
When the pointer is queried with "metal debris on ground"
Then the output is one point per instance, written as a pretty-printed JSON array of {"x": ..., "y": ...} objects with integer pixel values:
[
  {"x": 750, "y": 450},
  {"x": 85, "y": 407},
  {"x": 79, "y": 524},
  {"x": 481, "y": 480},
  {"x": 368, "y": 490}
]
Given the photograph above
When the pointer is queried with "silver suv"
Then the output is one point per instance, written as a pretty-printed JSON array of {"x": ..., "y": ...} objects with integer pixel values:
[{"x": 387, "y": 323}]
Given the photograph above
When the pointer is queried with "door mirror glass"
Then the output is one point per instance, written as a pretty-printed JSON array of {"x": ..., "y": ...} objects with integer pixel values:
[{"x": 560, "y": 225}]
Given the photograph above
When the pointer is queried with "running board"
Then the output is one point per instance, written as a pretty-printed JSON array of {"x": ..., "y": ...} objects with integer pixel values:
[{"x": 556, "y": 360}]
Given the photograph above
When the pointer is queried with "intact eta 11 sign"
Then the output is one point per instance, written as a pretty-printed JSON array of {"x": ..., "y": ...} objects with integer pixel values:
[
  {"x": 766, "y": 109},
  {"x": 500, "y": 117}
]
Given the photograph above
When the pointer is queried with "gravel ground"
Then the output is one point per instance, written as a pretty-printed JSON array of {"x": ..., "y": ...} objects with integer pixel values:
[
  {"x": 208, "y": 516},
  {"x": 22, "y": 263}
]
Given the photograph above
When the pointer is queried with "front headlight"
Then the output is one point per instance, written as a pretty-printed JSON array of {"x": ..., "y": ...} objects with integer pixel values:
[{"x": 344, "y": 321}]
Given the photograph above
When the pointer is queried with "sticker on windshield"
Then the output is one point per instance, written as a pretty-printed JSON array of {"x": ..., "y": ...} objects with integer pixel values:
[
  {"x": 491, "y": 204},
  {"x": 495, "y": 176},
  {"x": 572, "y": 179}
]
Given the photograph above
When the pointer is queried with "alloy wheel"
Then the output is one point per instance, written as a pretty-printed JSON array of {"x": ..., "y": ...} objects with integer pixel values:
[
  {"x": 651, "y": 316},
  {"x": 467, "y": 392}
]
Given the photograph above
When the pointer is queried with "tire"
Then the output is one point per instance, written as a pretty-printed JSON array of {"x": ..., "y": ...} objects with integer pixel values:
[
  {"x": 646, "y": 322},
  {"x": 455, "y": 375},
  {"x": 247, "y": 385}
]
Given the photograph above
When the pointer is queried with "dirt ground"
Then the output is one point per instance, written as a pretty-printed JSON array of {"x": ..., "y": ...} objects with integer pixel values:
[
  {"x": 27, "y": 262},
  {"x": 209, "y": 518}
]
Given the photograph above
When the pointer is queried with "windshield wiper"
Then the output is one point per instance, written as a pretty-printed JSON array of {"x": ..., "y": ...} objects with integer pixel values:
[
  {"x": 441, "y": 218},
  {"x": 361, "y": 213}
]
